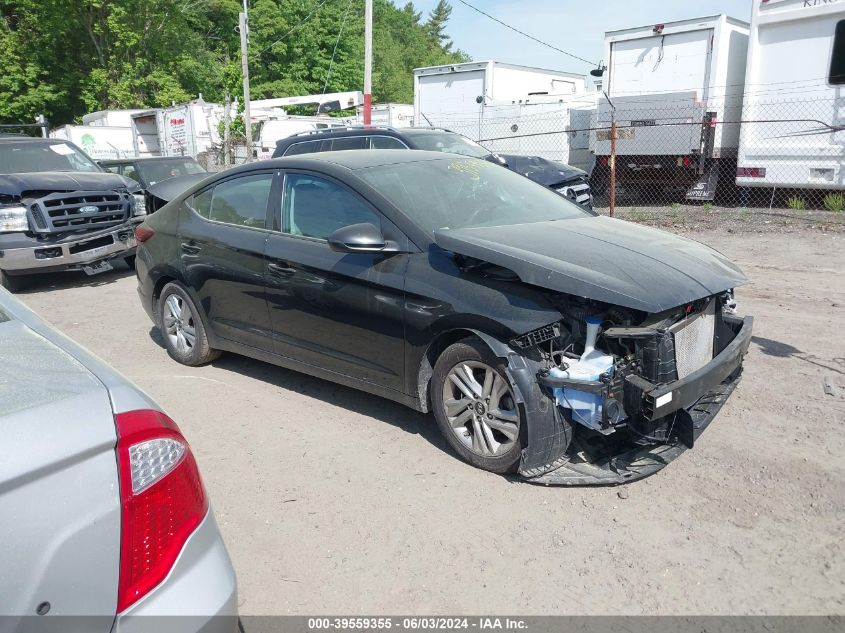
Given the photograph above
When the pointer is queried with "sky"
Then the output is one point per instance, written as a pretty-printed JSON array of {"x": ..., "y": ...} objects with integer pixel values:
[{"x": 577, "y": 26}]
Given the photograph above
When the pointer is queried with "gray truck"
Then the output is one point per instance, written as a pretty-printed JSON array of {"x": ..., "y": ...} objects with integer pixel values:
[{"x": 61, "y": 211}]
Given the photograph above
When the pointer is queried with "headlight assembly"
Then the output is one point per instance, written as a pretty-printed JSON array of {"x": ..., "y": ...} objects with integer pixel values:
[
  {"x": 13, "y": 219},
  {"x": 140, "y": 204}
]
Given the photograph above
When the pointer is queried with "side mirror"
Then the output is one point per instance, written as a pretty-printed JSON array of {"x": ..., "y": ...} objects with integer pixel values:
[{"x": 359, "y": 238}]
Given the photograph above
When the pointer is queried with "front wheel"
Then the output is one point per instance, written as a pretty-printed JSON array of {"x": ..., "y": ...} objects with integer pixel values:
[
  {"x": 184, "y": 333},
  {"x": 12, "y": 284},
  {"x": 475, "y": 407}
]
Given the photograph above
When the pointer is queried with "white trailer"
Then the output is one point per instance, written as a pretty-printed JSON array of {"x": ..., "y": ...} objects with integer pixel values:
[
  {"x": 673, "y": 86},
  {"x": 99, "y": 142},
  {"x": 110, "y": 118},
  {"x": 389, "y": 115},
  {"x": 443, "y": 94},
  {"x": 794, "y": 129},
  {"x": 187, "y": 129}
]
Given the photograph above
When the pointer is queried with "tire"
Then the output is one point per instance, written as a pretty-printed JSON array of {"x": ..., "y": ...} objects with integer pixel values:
[
  {"x": 12, "y": 284},
  {"x": 486, "y": 430},
  {"x": 182, "y": 328},
  {"x": 130, "y": 261}
]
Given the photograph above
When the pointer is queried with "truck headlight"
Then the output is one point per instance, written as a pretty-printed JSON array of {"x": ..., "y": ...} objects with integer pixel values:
[
  {"x": 140, "y": 204},
  {"x": 13, "y": 219}
]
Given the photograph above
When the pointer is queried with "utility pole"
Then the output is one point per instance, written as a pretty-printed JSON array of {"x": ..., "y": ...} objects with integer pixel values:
[
  {"x": 613, "y": 136},
  {"x": 368, "y": 62},
  {"x": 227, "y": 126},
  {"x": 244, "y": 27}
]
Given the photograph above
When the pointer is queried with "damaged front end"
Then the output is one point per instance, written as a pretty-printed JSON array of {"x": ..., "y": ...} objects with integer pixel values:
[{"x": 617, "y": 394}]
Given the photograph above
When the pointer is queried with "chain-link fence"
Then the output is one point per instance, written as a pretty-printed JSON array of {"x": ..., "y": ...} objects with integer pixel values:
[{"x": 783, "y": 151}]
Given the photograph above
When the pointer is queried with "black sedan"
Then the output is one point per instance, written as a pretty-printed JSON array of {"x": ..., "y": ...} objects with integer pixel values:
[{"x": 546, "y": 340}]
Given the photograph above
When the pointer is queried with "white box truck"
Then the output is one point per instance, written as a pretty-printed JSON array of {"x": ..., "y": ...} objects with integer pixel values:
[
  {"x": 677, "y": 92},
  {"x": 445, "y": 93},
  {"x": 98, "y": 141},
  {"x": 180, "y": 130},
  {"x": 396, "y": 115},
  {"x": 794, "y": 129},
  {"x": 110, "y": 118}
]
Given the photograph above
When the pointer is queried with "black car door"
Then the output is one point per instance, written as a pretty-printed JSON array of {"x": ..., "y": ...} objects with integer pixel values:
[
  {"x": 339, "y": 311},
  {"x": 222, "y": 237}
]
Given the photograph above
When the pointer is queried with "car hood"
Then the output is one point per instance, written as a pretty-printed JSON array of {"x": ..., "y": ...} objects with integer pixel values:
[
  {"x": 546, "y": 172},
  {"x": 601, "y": 258},
  {"x": 19, "y": 184},
  {"x": 168, "y": 189}
]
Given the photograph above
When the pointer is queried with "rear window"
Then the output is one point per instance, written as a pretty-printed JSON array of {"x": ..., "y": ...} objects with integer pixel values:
[
  {"x": 837, "y": 63},
  {"x": 306, "y": 147}
]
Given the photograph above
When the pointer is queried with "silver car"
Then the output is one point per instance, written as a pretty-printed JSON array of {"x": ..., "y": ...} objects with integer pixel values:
[{"x": 104, "y": 521}]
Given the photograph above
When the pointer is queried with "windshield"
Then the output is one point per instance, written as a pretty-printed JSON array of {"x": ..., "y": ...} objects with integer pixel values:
[
  {"x": 466, "y": 193},
  {"x": 156, "y": 171},
  {"x": 448, "y": 142},
  {"x": 28, "y": 157}
]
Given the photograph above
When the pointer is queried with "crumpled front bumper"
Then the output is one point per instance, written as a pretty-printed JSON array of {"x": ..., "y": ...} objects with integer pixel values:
[{"x": 694, "y": 402}]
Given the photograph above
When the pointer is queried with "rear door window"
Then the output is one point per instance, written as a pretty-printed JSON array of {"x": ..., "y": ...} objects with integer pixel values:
[
  {"x": 837, "y": 63},
  {"x": 239, "y": 201},
  {"x": 305, "y": 147},
  {"x": 386, "y": 142},
  {"x": 350, "y": 142}
]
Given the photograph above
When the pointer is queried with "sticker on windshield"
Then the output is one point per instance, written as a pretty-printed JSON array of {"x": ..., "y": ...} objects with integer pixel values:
[
  {"x": 62, "y": 148},
  {"x": 471, "y": 168}
]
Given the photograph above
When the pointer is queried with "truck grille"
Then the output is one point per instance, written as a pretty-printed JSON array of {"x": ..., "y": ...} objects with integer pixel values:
[
  {"x": 694, "y": 340},
  {"x": 61, "y": 212}
]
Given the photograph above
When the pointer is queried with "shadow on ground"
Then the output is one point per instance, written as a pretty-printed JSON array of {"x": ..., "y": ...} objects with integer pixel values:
[
  {"x": 48, "y": 282},
  {"x": 360, "y": 402}
]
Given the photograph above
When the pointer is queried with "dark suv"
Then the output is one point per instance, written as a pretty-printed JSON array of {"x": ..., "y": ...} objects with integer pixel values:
[
  {"x": 60, "y": 211},
  {"x": 570, "y": 182}
]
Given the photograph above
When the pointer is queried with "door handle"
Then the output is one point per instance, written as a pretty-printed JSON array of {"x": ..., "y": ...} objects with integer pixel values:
[
  {"x": 190, "y": 249},
  {"x": 282, "y": 271}
]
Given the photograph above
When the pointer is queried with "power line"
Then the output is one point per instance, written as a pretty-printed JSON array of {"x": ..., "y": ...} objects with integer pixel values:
[
  {"x": 524, "y": 34},
  {"x": 295, "y": 26},
  {"x": 339, "y": 33}
]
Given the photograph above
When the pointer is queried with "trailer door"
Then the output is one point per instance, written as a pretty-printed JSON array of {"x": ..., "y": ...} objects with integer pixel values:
[
  {"x": 675, "y": 62},
  {"x": 445, "y": 98}
]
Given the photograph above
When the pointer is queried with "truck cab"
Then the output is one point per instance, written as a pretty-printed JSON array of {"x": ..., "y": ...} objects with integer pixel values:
[{"x": 61, "y": 211}]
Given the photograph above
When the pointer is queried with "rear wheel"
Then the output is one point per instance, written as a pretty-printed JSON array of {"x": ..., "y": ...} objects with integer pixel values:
[
  {"x": 475, "y": 407},
  {"x": 184, "y": 333},
  {"x": 12, "y": 284}
]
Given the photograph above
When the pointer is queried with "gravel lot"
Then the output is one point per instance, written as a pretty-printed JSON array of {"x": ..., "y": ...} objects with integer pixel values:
[{"x": 333, "y": 501}]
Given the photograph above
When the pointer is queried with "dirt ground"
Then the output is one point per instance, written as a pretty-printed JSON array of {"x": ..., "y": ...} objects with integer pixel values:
[{"x": 333, "y": 501}]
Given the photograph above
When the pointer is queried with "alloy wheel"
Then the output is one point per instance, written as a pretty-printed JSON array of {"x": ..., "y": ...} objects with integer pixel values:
[
  {"x": 179, "y": 324},
  {"x": 480, "y": 408}
]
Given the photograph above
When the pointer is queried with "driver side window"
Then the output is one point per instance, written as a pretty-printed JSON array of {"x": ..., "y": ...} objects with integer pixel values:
[{"x": 315, "y": 207}]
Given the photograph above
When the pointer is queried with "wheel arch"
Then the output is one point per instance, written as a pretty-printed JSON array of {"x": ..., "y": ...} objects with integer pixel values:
[{"x": 438, "y": 345}]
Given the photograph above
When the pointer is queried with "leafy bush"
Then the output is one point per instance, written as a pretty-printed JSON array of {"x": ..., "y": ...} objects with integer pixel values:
[
  {"x": 834, "y": 202},
  {"x": 796, "y": 204}
]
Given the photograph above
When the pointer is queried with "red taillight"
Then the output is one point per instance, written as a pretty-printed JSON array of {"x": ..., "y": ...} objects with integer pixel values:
[
  {"x": 604, "y": 161},
  {"x": 751, "y": 172},
  {"x": 143, "y": 233},
  {"x": 162, "y": 500},
  {"x": 687, "y": 161}
]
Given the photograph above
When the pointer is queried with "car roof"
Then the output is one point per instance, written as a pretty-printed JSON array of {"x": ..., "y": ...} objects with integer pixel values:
[
  {"x": 353, "y": 159},
  {"x": 342, "y": 132},
  {"x": 146, "y": 159},
  {"x": 18, "y": 138}
]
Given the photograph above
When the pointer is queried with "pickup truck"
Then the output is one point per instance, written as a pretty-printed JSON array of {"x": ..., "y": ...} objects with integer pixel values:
[{"x": 61, "y": 211}]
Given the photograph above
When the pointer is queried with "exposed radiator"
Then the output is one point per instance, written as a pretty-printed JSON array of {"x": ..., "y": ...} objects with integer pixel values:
[{"x": 694, "y": 340}]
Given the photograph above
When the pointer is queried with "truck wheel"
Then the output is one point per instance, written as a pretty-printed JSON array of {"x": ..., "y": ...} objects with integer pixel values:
[
  {"x": 12, "y": 284},
  {"x": 182, "y": 328},
  {"x": 475, "y": 408}
]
